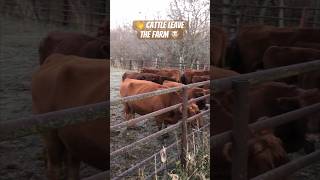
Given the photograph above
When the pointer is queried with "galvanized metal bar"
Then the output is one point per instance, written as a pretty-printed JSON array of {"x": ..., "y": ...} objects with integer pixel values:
[
  {"x": 154, "y": 93},
  {"x": 141, "y": 163},
  {"x": 266, "y": 75},
  {"x": 219, "y": 139},
  {"x": 199, "y": 98},
  {"x": 268, "y": 7},
  {"x": 151, "y": 175},
  {"x": 100, "y": 176},
  {"x": 272, "y": 122},
  {"x": 155, "y": 135},
  {"x": 291, "y": 167},
  {"x": 184, "y": 130},
  {"x": 12, "y": 129},
  {"x": 141, "y": 118},
  {"x": 146, "y": 139},
  {"x": 285, "y": 118},
  {"x": 240, "y": 130},
  {"x": 198, "y": 115}
]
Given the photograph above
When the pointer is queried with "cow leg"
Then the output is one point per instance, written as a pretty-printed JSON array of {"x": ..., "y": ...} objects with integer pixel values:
[
  {"x": 73, "y": 167},
  {"x": 129, "y": 114},
  {"x": 54, "y": 153}
]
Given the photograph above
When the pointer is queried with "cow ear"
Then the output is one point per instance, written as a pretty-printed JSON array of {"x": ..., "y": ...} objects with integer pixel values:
[
  {"x": 226, "y": 151},
  {"x": 288, "y": 103}
]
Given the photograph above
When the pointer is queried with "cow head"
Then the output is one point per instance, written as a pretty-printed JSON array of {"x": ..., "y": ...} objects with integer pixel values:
[
  {"x": 305, "y": 98},
  {"x": 199, "y": 92},
  {"x": 306, "y": 125},
  {"x": 193, "y": 109},
  {"x": 265, "y": 152}
]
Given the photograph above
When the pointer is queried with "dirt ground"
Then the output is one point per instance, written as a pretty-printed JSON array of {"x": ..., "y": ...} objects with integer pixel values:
[{"x": 22, "y": 159}]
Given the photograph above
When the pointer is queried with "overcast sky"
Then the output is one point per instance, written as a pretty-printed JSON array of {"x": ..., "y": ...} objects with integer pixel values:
[{"x": 125, "y": 11}]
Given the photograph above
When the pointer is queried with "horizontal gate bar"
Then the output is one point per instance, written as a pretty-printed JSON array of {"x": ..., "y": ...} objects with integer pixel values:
[
  {"x": 285, "y": 118},
  {"x": 128, "y": 171},
  {"x": 291, "y": 167},
  {"x": 155, "y": 113},
  {"x": 100, "y": 176},
  {"x": 265, "y": 75},
  {"x": 155, "y": 135},
  {"x": 155, "y": 93},
  {"x": 40, "y": 123},
  {"x": 145, "y": 139},
  {"x": 138, "y": 119},
  {"x": 225, "y": 137}
]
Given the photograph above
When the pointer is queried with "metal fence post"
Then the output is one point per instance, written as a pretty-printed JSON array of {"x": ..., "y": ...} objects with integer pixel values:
[
  {"x": 240, "y": 130},
  {"x": 184, "y": 126}
]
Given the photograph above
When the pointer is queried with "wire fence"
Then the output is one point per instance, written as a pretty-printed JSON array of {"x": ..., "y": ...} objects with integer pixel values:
[
  {"x": 139, "y": 64},
  {"x": 232, "y": 16},
  {"x": 238, "y": 135},
  {"x": 181, "y": 124}
]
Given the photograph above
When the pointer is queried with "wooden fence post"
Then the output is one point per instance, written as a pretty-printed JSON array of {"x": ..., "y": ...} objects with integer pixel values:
[
  {"x": 130, "y": 64},
  {"x": 141, "y": 64},
  {"x": 184, "y": 127},
  {"x": 240, "y": 130}
]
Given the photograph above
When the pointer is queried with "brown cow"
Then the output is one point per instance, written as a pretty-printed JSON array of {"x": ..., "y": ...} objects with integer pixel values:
[
  {"x": 64, "y": 82},
  {"x": 146, "y": 76},
  {"x": 130, "y": 87},
  {"x": 196, "y": 79},
  {"x": 218, "y": 73},
  {"x": 69, "y": 43},
  {"x": 265, "y": 151},
  {"x": 253, "y": 41},
  {"x": 192, "y": 93},
  {"x": 186, "y": 77},
  {"x": 218, "y": 42},
  {"x": 276, "y": 56},
  {"x": 274, "y": 98},
  {"x": 171, "y": 73}
]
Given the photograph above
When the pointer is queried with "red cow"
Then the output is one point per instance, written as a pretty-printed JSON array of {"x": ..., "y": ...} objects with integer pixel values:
[
  {"x": 253, "y": 41},
  {"x": 276, "y": 56},
  {"x": 265, "y": 151},
  {"x": 68, "y": 81},
  {"x": 146, "y": 76},
  {"x": 130, "y": 87},
  {"x": 271, "y": 99},
  {"x": 73, "y": 44},
  {"x": 171, "y": 73},
  {"x": 218, "y": 42}
]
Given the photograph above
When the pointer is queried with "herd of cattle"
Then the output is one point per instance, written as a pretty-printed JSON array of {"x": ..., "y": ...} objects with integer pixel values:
[
  {"x": 74, "y": 71},
  {"x": 149, "y": 80},
  {"x": 254, "y": 48}
]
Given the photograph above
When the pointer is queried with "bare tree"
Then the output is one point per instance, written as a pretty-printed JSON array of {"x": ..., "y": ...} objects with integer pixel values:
[{"x": 195, "y": 45}]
